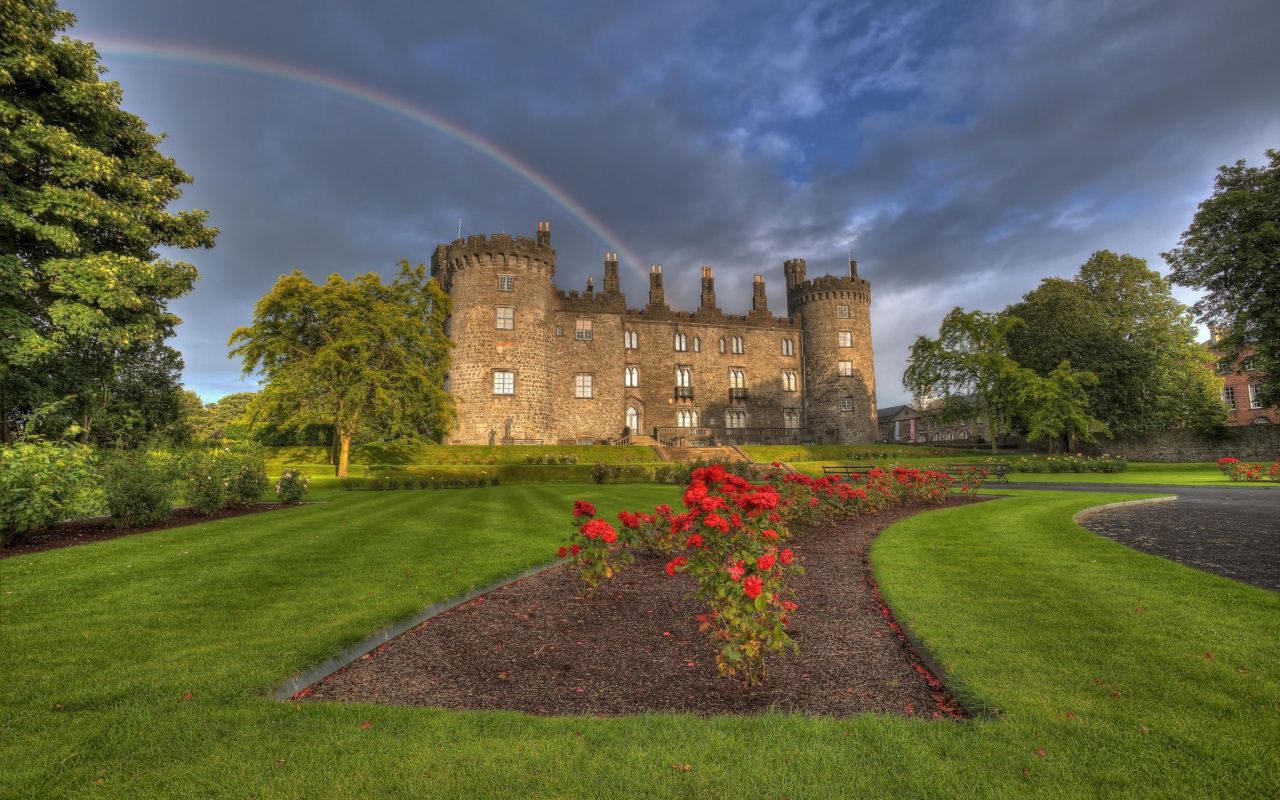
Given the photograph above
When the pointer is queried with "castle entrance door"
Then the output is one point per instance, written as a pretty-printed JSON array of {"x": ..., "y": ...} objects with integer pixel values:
[{"x": 633, "y": 419}]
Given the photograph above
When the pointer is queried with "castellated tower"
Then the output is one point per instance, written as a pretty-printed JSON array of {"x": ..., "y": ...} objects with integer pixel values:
[
  {"x": 503, "y": 326},
  {"x": 839, "y": 371}
]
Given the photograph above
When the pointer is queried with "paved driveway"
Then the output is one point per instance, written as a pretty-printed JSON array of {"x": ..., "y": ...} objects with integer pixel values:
[{"x": 1230, "y": 532}]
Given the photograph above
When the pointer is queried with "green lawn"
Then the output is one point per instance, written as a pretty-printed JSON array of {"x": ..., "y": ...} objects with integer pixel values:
[
  {"x": 449, "y": 455},
  {"x": 1138, "y": 472},
  {"x": 1025, "y": 610}
]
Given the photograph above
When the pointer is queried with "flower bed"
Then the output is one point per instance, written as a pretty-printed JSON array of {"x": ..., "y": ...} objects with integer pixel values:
[{"x": 1242, "y": 471}]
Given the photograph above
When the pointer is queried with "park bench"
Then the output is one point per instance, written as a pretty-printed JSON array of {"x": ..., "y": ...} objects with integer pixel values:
[
  {"x": 846, "y": 472},
  {"x": 998, "y": 471}
]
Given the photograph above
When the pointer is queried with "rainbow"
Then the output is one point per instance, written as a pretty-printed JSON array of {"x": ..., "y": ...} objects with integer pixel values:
[{"x": 417, "y": 115}]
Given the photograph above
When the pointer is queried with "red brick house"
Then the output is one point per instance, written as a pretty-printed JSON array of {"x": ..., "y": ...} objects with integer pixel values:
[{"x": 1240, "y": 392}]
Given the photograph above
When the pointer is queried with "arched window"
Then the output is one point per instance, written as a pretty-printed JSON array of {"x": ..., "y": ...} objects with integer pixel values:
[
  {"x": 631, "y": 340},
  {"x": 788, "y": 381},
  {"x": 791, "y": 418},
  {"x": 687, "y": 418},
  {"x": 788, "y": 347},
  {"x": 722, "y": 350},
  {"x": 735, "y": 418},
  {"x": 737, "y": 379},
  {"x": 682, "y": 377},
  {"x": 680, "y": 342},
  {"x": 739, "y": 345},
  {"x": 697, "y": 345},
  {"x": 633, "y": 377}
]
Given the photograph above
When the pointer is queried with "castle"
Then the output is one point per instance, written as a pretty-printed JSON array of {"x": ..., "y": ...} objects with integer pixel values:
[{"x": 535, "y": 364}]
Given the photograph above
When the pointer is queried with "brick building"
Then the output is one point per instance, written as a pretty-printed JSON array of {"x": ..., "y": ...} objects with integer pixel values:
[
  {"x": 1240, "y": 393},
  {"x": 534, "y": 363}
]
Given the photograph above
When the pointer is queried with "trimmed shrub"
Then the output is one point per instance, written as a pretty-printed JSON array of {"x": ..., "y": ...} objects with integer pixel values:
[
  {"x": 42, "y": 483},
  {"x": 292, "y": 486},
  {"x": 138, "y": 486}
]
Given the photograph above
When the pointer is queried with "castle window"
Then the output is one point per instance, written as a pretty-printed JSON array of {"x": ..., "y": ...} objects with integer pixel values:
[
  {"x": 687, "y": 418},
  {"x": 846, "y": 369},
  {"x": 842, "y": 312},
  {"x": 504, "y": 381},
  {"x": 1255, "y": 398},
  {"x": 681, "y": 342},
  {"x": 582, "y": 330},
  {"x": 1229, "y": 396},
  {"x": 739, "y": 345},
  {"x": 791, "y": 418},
  {"x": 506, "y": 318},
  {"x": 788, "y": 347},
  {"x": 697, "y": 345},
  {"x": 846, "y": 403},
  {"x": 737, "y": 379},
  {"x": 682, "y": 377},
  {"x": 633, "y": 377},
  {"x": 722, "y": 345},
  {"x": 631, "y": 340},
  {"x": 506, "y": 283},
  {"x": 846, "y": 338},
  {"x": 788, "y": 381},
  {"x": 735, "y": 418},
  {"x": 559, "y": 330},
  {"x": 582, "y": 385}
]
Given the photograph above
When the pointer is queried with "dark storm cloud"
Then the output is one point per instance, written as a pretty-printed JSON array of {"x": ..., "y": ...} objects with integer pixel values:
[{"x": 966, "y": 150}]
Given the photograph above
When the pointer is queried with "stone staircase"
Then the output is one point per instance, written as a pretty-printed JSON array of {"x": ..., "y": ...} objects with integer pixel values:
[{"x": 688, "y": 455}]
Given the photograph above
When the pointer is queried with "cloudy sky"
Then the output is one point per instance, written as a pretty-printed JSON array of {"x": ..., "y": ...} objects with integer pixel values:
[{"x": 964, "y": 150}]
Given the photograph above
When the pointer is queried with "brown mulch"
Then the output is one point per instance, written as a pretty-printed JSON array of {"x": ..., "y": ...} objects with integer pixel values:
[
  {"x": 534, "y": 646},
  {"x": 98, "y": 529}
]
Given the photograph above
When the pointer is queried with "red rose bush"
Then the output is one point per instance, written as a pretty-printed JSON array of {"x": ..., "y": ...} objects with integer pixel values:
[{"x": 594, "y": 550}]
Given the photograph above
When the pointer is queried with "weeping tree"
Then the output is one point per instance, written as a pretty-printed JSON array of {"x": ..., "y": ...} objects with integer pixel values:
[{"x": 346, "y": 352}]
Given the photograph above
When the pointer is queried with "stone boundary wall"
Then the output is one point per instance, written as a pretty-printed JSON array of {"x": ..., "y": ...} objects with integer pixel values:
[{"x": 1251, "y": 443}]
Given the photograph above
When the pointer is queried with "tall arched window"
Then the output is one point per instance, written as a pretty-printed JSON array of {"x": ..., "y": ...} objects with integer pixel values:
[
  {"x": 697, "y": 345},
  {"x": 722, "y": 349},
  {"x": 632, "y": 340},
  {"x": 737, "y": 379},
  {"x": 791, "y": 418},
  {"x": 681, "y": 342},
  {"x": 735, "y": 418},
  {"x": 633, "y": 376}
]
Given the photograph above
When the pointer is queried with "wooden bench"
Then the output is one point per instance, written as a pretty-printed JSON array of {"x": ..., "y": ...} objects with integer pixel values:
[
  {"x": 999, "y": 471},
  {"x": 846, "y": 472}
]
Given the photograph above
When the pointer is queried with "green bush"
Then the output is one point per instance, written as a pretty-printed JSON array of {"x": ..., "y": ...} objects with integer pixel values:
[
  {"x": 1056, "y": 464},
  {"x": 292, "y": 486},
  {"x": 138, "y": 486},
  {"x": 227, "y": 475},
  {"x": 42, "y": 483}
]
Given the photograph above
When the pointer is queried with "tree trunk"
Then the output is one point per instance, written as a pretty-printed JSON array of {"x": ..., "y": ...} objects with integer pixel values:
[
  {"x": 334, "y": 446},
  {"x": 991, "y": 432},
  {"x": 1071, "y": 442},
  {"x": 344, "y": 453}
]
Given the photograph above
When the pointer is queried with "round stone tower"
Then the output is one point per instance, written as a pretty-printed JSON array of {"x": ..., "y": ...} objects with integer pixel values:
[
  {"x": 502, "y": 304},
  {"x": 839, "y": 371}
]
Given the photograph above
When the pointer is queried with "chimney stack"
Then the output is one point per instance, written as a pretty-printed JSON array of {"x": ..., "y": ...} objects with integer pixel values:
[
  {"x": 544, "y": 234},
  {"x": 708, "y": 289},
  {"x": 611, "y": 284},
  {"x": 657, "y": 296}
]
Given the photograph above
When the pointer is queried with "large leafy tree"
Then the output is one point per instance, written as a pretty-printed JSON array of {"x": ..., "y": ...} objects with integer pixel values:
[
  {"x": 1232, "y": 251},
  {"x": 1056, "y": 406},
  {"x": 346, "y": 352},
  {"x": 83, "y": 198},
  {"x": 1118, "y": 319},
  {"x": 969, "y": 367}
]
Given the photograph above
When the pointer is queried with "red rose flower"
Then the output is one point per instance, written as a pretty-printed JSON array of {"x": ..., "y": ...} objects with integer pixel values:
[
  {"x": 581, "y": 508},
  {"x": 711, "y": 502},
  {"x": 609, "y": 536},
  {"x": 575, "y": 549},
  {"x": 775, "y": 518},
  {"x": 736, "y": 570},
  {"x": 675, "y": 564},
  {"x": 786, "y": 556},
  {"x": 736, "y": 520},
  {"x": 765, "y": 562},
  {"x": 716, "y": 521},
  {"x": 598, "y": 527},
  {"x": 694, "y": 541},
  {"x": 564, "y": 551},
  {"x": 752, "y": 586},
  {"x": 770, "y": 534}
]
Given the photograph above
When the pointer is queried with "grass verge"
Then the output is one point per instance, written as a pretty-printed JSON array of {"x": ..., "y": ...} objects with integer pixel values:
[{"x": 1023, "y": 608}]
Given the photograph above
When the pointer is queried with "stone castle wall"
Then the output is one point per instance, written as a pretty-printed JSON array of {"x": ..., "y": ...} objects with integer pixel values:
[
  {"x": 546, "y": 354},
  {"x": 1249, "y": 443}
]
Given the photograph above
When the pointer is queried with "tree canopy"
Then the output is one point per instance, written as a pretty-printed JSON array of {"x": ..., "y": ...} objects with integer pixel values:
[
  {"x": 84, "y": 192},
  {"x": 1231, "y": 250},
  {"x": 969, "y": 367},
  {"x": 344, "y": 352},
  {"x": 1118, "y": 320}
]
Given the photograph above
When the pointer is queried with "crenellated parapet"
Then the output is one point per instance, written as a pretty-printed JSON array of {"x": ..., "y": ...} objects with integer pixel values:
[
  {"x": 501, "y": 251},
  {"x": 801, "y": 292}
]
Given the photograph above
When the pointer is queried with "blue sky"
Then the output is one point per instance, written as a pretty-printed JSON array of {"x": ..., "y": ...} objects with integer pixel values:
[{"x": 965, "y": 150}]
